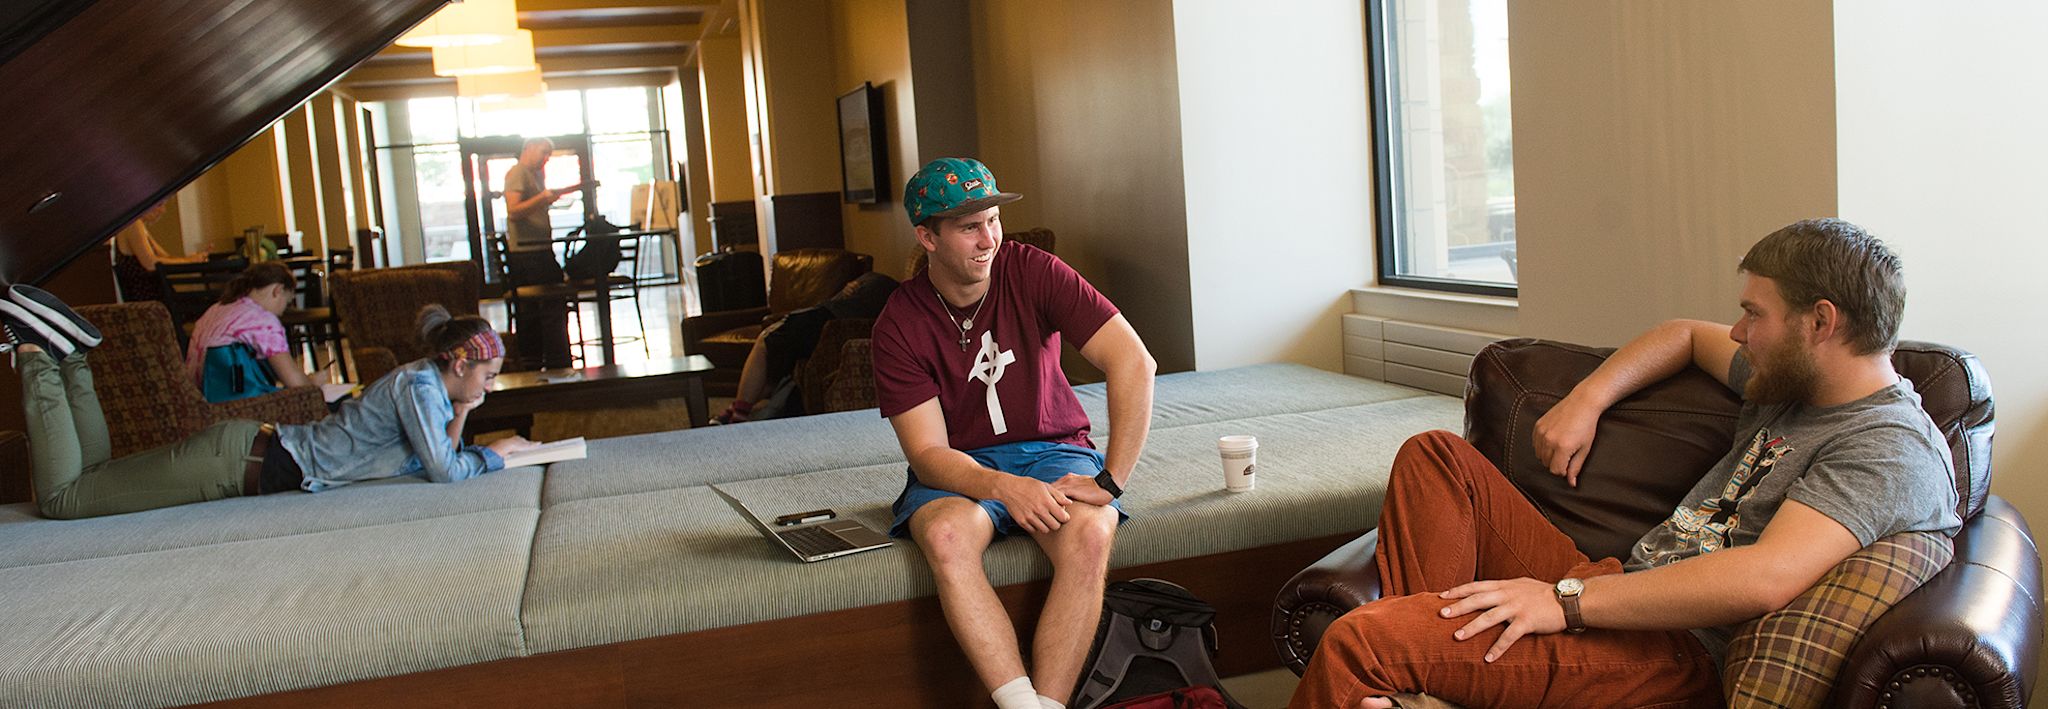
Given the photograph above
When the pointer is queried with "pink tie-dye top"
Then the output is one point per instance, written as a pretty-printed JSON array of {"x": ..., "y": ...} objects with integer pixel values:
[{"x": 242, "y": 321}]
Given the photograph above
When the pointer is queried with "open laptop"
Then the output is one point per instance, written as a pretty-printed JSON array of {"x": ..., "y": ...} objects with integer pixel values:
[{"x": 814, "y": 542}]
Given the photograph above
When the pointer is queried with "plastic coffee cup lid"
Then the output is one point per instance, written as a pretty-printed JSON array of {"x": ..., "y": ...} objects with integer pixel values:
[{"x": 1235, "y": 443}]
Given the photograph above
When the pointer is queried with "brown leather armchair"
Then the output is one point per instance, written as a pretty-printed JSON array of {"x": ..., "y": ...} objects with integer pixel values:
[
  {"x": 800, "y": 278},
  {"x": 379, "y": 309},
  {"x": 150, "y": 399},
  {"x": 1969, "y": 637}
]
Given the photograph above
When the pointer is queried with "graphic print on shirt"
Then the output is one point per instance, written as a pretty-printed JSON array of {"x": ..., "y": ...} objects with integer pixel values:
[
  {"x": 1711, "y": 526},
  {"x": 989, "y": 364}
]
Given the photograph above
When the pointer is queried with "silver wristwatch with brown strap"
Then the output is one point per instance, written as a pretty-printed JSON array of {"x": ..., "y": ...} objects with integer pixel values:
[{"x": 1568, "y": 592}]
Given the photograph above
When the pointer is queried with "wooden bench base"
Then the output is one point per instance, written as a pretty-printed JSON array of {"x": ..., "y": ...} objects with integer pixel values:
[{"x": 893, "y": 654}]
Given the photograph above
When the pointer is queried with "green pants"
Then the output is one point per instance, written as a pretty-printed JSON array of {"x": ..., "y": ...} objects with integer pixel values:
[{"x": 74, "y": 476}]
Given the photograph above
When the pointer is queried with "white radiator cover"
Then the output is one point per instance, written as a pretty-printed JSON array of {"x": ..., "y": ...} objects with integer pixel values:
[{"x": 1430, "y": 357}]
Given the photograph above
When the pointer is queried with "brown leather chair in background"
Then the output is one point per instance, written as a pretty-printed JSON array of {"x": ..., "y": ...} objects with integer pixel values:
[
  {"x": 148, "y": 396},
  {"x": 1968, "y": 637},
  {"x": 379, "y": 309},
  {"x": 799, "y": 278}
]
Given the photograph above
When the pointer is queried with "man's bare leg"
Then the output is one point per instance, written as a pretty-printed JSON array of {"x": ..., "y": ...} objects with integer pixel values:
[
  {"x": 953, "y": 532},
  {"x": 1079, "y": 551}
]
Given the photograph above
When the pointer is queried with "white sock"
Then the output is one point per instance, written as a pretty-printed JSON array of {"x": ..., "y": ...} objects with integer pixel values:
[
  {"x": 1045, "y": 702},
  {"x": 1016, "y": 694}
]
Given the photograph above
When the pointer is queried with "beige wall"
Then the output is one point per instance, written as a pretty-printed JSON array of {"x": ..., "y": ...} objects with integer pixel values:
[
  {"x": 722, "y": 92},
  {"x": 1654, "y": 142},
  {"x": 1277, "y": 160},
  {"x": 871, "y": 40},
  {"x": 301, "y": 176},
  {"x": 1079, "y": 110},
  {"x": 1937, "y": 159},
  {"x": 276, "y": 180},
  {"x": 796, "y": 84},
  {"x": 686, "y": 138},
  {"x": 336, "y": 178}
]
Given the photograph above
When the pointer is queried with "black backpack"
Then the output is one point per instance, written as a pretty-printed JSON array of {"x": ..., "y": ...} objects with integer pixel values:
[
  {"x": 600, "y": 253},
  {"x": 1154, "y": 637}
]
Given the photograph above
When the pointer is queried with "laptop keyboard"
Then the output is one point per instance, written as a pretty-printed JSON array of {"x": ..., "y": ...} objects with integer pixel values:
[{"x": 814, "y": 540}]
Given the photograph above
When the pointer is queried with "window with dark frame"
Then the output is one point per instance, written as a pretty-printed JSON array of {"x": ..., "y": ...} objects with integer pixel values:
[{"x": 1444, "y": 177}]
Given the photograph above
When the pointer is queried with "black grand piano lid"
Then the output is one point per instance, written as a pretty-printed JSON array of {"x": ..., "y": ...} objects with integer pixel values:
[{"x": 107, "y": 106}]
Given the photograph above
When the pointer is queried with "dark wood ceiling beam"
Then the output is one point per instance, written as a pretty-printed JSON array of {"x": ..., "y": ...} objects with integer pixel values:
[
  {"x": 571, "y": 82},
  {"x": 578, "y": 38},
  {"x": 398, "y": 74}
]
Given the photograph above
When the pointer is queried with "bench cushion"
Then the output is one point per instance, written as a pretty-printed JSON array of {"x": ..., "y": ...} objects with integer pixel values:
[
  {"x": 207, "y": 622},
  {"x": 27, "y": 538},
  {"x": 624, "y": 567}
]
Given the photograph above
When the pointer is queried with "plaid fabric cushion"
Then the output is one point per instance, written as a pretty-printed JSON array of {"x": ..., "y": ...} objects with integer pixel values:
[
  {"x": 854, "y": 387},
  {"x": 1789, "y": 658},
  {"x": 139, "y": 373}
]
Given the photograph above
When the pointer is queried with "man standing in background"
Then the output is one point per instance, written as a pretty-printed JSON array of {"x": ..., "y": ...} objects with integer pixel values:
[{"x": 542, "y": 326}]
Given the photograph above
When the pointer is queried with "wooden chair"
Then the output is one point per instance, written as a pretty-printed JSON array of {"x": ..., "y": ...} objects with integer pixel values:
[
  {"x": 600, "y": 292},
  {"x": 190, "y": 288}
]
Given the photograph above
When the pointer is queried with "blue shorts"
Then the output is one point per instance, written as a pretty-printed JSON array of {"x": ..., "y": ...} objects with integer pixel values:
[{"x": 1033, "y": 459}]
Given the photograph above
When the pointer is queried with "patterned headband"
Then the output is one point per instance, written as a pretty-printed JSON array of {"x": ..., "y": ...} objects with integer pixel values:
[{"x": 480, "y": 346}]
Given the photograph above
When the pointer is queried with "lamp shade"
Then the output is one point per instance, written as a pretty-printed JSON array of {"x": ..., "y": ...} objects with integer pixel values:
[
  {"x": 535, "y": 102},
  {"x": 485, "y": 86},
  {"x": 513, "y": 55},
  {"x": 470, "y": 22}
]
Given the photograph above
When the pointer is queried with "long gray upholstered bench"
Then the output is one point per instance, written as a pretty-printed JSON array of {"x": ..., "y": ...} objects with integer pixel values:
[{"x": 622, "y": 577}]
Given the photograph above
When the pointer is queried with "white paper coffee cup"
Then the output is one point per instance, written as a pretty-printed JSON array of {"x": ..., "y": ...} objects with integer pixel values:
[{"x": 1240, "y": 458}]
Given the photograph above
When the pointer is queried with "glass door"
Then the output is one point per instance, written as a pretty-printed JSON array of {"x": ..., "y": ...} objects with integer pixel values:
[{"x": 484, "y": 164}]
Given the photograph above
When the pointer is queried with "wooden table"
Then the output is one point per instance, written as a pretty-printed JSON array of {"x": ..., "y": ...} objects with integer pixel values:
[{"x": 517, "y": 396}]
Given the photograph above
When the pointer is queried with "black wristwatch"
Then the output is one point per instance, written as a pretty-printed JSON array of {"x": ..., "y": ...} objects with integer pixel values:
[{"x": 1108, "y": 482}]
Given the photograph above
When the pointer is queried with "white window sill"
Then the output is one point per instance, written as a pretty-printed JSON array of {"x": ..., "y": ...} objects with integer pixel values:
[{"x": 1482, "y": 313}]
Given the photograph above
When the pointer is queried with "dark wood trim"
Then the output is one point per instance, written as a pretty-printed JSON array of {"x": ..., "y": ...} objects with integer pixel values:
[
  {"x": 1386, "y": 178},
  {"x": 124, "y": 103},
  {"x": 890, "y": 655},
  {"x": 808, "y": 220}
]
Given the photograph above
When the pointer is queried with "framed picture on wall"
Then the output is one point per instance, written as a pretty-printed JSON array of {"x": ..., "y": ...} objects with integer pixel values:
[{"x": 863, "y": 145}]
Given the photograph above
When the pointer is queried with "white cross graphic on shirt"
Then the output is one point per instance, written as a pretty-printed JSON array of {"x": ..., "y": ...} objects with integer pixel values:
[{"x": 988, "y": 367}]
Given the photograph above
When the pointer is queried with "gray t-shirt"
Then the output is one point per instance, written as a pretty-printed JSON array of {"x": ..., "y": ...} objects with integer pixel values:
[
  {"x": 535, "y": 231},
  {"x": 1877, "y": 465}
]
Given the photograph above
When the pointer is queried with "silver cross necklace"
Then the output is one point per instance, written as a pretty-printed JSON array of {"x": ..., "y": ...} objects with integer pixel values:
[{"x": 969, "y": 323}]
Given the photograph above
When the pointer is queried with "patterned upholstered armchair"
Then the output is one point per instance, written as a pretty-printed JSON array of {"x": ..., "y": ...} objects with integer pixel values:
[
  {"x": 379, "y": 309},
  {"x": 149, "y": 398},
  {"x": 1913, "y": 620}
]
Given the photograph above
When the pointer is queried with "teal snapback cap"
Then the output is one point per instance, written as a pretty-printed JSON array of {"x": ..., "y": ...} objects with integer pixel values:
[{"x": 950, "y": 187}]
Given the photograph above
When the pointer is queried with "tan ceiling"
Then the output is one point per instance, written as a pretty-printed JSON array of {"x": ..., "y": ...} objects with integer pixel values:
[{"x": 579, "y": 43}]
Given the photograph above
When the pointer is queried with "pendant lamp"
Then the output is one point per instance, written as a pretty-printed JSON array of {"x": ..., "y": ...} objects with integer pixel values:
[
  {"x": 487, "y": 86},
  {"x": 513, "y": 55},
  {"x": 470, "y": 22}
]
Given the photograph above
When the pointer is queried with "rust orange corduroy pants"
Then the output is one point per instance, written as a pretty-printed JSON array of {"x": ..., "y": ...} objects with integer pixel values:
[{"x": 1450, "y": 518}]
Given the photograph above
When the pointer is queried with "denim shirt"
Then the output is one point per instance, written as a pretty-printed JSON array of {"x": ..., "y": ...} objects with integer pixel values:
[{"x": 398, "y": 427}]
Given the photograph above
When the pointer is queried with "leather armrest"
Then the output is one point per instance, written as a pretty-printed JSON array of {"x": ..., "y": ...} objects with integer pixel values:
[
  {"x": 1969, "y": 637},
  {"x": 1320, "y": 594},
  {"x": 703, "y": 326}
]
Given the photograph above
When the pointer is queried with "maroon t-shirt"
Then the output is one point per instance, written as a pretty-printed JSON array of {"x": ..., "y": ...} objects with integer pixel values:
[{"x": 1034, "y": 302}]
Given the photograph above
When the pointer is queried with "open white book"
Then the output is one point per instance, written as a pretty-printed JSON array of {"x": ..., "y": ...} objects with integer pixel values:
[
  {"x": 545, "y": 453},
  {"x": 334, "y": 392}
]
